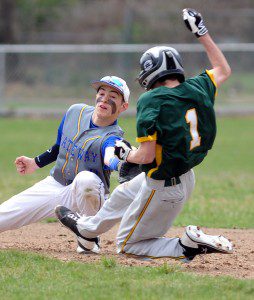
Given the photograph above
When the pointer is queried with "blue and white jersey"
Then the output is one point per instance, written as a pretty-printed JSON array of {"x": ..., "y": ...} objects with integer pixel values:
[
  {"x": 109, "y": 142},
  {"x": 82, "y": 145}
]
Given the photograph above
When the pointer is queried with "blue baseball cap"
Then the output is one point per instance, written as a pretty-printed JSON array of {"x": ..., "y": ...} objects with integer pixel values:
[{"x": 116, "y": 82}]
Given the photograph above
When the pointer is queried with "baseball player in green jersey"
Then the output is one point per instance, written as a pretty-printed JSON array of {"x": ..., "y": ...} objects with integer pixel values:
[{"x": 176, "y": 128}]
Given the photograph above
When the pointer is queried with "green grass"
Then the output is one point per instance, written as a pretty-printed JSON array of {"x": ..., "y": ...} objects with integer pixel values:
[
  {"x": 108, "y": 262},
  {"x": 223, "y": 198},
  {"x": 224, "y": 191},
  {"x": 30, "y": 276}
]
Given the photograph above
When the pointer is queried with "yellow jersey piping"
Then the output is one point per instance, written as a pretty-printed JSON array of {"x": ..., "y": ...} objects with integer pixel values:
[
  {"x": 158, "y": 158},
  {"x": 83, "y": 146},
  {"x": 67, "y": 154},
  {"x": 211, "y": 76}
]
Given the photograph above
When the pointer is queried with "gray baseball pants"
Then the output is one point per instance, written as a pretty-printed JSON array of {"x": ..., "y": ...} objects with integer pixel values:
[{"x": 146, "y": 209}]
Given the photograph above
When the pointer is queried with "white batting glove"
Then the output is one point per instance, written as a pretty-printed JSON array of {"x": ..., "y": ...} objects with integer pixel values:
[
  {"x": 122, "y": 149},
  {"x": 194, "y": 22}
]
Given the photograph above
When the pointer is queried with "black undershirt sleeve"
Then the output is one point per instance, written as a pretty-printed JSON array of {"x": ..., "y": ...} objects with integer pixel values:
[{"x": 47, "y": 157}]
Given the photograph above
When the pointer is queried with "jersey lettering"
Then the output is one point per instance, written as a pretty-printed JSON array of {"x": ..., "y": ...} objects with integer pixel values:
[{"x": 192, "y": 119}]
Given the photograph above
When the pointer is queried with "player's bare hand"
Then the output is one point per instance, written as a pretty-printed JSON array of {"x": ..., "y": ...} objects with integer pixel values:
[
  {"x": 25, "y": 165},
  {"x": 194, "y": 22}
]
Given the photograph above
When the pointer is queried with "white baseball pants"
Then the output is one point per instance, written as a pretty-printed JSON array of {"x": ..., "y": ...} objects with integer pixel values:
[
  {"x": 146, "y": 209},
  {"x": 85, "y": 195}
]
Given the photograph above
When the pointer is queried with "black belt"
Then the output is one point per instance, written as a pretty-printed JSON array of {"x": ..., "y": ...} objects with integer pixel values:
[{"x": 172, "y": 181}]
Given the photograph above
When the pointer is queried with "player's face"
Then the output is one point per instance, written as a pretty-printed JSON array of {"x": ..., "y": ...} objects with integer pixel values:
[{"x": 109, "y": 102}]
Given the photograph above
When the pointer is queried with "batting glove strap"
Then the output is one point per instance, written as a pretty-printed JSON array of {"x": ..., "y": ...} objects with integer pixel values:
[
  {"x": 194, "y": 22},
  {"x": 122, "y": 149}
]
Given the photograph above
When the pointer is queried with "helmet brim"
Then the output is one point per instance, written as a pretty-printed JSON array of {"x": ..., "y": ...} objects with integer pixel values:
[{"x": 97, "y": 84}]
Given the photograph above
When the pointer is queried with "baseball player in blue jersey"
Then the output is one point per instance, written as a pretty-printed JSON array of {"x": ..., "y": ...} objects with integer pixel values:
[
  {"x": 84, "y": 155},
  {"x": 176, "y": 128}
]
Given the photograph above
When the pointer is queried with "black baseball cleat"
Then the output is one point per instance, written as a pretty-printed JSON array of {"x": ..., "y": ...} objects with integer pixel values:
[
  {"x": 69, "y": 219},
  {"x": 195, "y": 241}
]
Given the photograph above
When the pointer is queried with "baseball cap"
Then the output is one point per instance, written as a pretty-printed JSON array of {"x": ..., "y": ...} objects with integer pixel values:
[{"x": 116, "y": 82}]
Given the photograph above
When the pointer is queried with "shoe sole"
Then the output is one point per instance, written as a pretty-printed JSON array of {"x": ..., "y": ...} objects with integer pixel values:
[
  {"x": 93, "y": 251},
  {"x": 87, "y": 247},
  {"x": 217, "y": 243}
]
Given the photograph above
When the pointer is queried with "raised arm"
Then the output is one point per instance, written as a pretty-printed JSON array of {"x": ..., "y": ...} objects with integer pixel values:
[{"x": 220, "y": 67}]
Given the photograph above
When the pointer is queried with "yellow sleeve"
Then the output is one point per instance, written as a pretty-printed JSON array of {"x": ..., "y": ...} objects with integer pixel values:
[
  {"x": 211, "y": 76},
  {"x": 148, "y": 138}
]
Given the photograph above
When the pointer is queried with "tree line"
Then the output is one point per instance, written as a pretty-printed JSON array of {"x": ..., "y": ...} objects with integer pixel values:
[{"x": 119, "y": 21}]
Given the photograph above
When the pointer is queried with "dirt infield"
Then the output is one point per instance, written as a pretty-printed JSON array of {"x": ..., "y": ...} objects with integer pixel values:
[{"x": 55, "y": 241}]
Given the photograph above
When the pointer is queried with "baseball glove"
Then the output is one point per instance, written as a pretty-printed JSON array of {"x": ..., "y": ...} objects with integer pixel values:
[{"x": 128, "y": 171}]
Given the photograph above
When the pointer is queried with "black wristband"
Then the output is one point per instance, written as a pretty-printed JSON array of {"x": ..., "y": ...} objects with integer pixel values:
[{"x": 47, "y": 157}]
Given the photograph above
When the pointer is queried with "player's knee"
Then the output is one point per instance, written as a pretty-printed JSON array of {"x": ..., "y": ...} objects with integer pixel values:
[
  {"x": 87, "y": 179},
  {"x": 88, "y": 184}
]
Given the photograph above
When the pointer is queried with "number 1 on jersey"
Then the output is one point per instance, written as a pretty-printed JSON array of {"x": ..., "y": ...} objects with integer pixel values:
[{"x": 192, "y": 119}]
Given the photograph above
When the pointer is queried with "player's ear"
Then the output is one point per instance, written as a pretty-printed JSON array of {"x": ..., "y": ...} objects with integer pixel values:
[{"x": 124, "y": 106}]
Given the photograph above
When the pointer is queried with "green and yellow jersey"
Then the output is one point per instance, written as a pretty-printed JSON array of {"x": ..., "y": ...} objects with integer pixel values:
[{"x": 182, "y": 121}]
